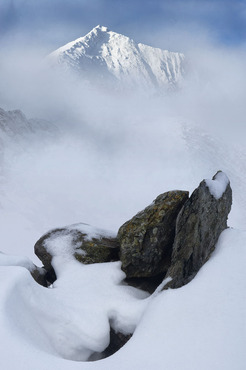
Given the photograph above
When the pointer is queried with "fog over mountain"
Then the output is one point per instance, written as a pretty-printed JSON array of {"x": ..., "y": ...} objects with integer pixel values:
[
  {"x": 92, "y": 132},
  {"x": 119, "y": 137},
  {"x": 103, "y": 54}
]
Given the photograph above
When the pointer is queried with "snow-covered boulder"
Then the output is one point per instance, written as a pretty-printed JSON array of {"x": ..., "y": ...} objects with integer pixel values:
[
  {"x": 173, "y": 237},
  {"x": 199, "y": 225},
  {"x": 80, "y": 241},
  {"x": 146, "y": 240}
]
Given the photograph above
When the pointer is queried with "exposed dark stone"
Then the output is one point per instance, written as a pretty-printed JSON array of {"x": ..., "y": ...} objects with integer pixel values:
[
  {"x": 50, "y": 276},
  {"x": 39, "y": 275},
  {"x": 199, "y": 225},
  {"x": 117, "y": 340},
  {"x": 148, "y": 284},
  {"x": 85, "y": 249},
  {"x": 42, "y": 252},
  {"x": 146, "y": 240}
]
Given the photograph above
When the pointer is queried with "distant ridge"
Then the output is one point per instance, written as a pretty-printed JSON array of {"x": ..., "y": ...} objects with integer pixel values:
[
  {"x": 103, "y": 54},
  {"x": 14, "y": 126}
]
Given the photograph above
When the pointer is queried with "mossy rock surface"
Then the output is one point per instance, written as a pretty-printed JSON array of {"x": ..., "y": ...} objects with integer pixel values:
[
  {"x": 97, "y": 250},
  {"x": 146, "y": 240}
]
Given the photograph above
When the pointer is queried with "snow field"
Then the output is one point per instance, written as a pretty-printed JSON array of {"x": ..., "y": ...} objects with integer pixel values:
[{"x": 201, "y": 325}]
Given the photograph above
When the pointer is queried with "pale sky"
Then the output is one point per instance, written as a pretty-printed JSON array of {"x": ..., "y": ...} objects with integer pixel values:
[{"x": 53, "y": 23}]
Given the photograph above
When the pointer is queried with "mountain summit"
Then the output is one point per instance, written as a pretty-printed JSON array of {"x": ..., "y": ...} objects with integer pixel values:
[{"x": 103, "y": 54}]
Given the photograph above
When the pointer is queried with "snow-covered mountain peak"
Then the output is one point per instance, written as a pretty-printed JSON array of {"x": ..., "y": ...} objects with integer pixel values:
[
  {"x": 100, "y": 28},
  {"x": 103, "y": 54}
]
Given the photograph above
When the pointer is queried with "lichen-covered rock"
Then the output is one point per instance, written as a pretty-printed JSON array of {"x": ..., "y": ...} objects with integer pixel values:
[
  {"x": 146, "y": 240},
  {"x": 199, "y": 225},
  {"x": 80, "y": 241}
]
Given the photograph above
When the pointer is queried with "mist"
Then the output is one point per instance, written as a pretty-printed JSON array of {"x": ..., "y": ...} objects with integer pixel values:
[{"x": 115, "y": 151}]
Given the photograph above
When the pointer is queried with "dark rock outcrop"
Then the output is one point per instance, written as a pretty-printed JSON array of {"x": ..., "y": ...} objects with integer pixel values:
[
  {"x": 146, "y": 240},
  {"x": 199, "y": 225},
  {"x": 172, "y": 237},
  {"x": 86, "y": 244}
]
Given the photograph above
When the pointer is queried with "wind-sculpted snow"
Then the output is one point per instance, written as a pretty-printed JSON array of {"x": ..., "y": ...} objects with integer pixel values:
[
  {"x": 12, "y": 260},
  {"x": 75, "y": 315},
  {"x": 201, "y": 325},
  {"x": 106, "y": 54}
]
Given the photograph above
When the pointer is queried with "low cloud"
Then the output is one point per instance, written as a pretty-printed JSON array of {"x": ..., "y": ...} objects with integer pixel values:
[{"x": 117, "y": 151}]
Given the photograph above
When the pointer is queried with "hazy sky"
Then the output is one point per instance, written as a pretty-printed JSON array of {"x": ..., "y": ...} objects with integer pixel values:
[{"x": 53, "y": 23}]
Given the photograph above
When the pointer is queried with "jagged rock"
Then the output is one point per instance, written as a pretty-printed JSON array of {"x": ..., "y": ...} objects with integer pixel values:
[
  {"x": 146, "y": 240},
  {"x": 199, "y": 224},
  {"x": 83, "y": 242}
]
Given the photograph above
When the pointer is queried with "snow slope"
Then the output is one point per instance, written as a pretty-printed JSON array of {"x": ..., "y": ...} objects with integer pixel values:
[
  {"x": 103, "y": 54},
  {"x": 201, "y": 325}
]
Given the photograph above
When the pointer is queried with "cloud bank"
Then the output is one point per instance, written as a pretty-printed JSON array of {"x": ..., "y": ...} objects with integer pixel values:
[{"x": 116, "y": 152}]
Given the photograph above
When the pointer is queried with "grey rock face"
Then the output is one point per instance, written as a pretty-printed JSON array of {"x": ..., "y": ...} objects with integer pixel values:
[
  {"x": 199, "y": 225},
  {"x": 84, "y": 243},
  {"x": 146, "y": 240}
]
